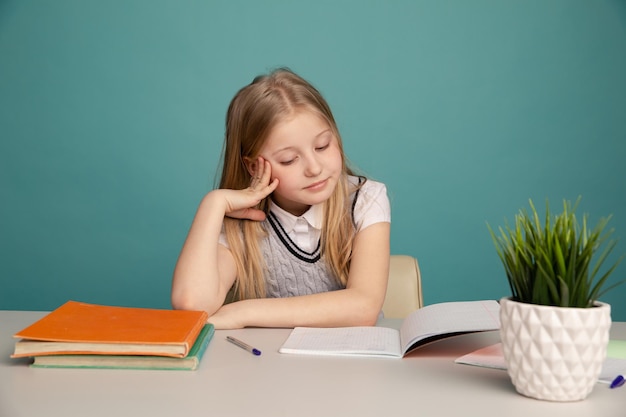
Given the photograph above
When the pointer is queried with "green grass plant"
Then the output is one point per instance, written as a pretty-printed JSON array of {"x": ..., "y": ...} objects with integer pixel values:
[{"x": 550, "y": 262}]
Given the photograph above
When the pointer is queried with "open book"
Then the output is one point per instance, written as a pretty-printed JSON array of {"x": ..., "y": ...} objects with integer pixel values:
[{"x": 423, "y": 326}]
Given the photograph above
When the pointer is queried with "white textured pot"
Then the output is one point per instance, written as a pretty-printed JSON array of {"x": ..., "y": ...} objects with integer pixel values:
[{"x": 554, "y": 353}]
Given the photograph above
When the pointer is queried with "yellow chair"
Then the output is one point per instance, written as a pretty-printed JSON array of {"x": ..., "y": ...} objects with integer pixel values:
[{"x": 404, "y": 289}]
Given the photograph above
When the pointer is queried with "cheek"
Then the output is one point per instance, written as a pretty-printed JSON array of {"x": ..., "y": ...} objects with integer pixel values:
[
  {"x": 336, "y": 160},
  {"x": 285, "y": 188},
  {"x": 284, "y": 179}
]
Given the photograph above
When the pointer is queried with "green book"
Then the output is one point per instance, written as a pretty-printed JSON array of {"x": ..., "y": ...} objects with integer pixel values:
[{"x": 188, "y": 363}]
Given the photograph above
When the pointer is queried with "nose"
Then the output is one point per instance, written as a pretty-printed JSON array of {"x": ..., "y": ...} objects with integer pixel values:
[{"x": 313, "y": 166}]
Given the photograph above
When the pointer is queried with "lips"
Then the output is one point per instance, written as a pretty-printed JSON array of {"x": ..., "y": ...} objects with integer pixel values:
[{"x": 317, "y": 185}]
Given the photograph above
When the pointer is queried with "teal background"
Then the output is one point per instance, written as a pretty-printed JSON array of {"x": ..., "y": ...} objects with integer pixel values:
[{"x": 112, "y": 113}]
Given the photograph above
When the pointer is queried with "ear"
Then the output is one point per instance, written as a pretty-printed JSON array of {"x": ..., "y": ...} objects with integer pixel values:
[{"x": 251, "y": 165}]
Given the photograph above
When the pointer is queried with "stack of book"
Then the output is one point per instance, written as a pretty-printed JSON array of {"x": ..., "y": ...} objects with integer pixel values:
[{"x": 81, "y": 335}]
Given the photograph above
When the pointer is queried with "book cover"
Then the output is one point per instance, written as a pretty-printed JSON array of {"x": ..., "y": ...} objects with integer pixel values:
[
  {"x": 188, "y": 363},
  {"x": 423, "y": 326},
  {"x": 81, "y": 328}
]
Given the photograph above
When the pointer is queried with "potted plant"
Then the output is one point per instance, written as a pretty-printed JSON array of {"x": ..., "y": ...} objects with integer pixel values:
[{"x": 554, "y": 330}]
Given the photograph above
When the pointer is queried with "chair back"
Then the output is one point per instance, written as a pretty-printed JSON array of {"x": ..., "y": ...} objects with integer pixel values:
[{"x": 404, "y": 288}]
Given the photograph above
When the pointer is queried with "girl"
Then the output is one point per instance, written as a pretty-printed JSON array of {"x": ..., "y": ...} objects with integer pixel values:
[{"x": 291, "y": 237}]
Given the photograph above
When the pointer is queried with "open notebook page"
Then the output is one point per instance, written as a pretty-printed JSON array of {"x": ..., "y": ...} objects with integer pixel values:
[{"x": 350, "y": 341}]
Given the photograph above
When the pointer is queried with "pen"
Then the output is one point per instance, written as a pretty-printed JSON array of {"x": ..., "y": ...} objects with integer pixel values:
[
  {"x": 243, "y": 345},
  {"x": 617, "y": 382}
]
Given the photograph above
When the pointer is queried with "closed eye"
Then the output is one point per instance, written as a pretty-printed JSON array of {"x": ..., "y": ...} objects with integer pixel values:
[{"x": 322, "y": 148}]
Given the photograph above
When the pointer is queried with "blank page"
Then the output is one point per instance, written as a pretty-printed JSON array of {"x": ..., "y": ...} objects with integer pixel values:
[{"x": 351, "y": 341}]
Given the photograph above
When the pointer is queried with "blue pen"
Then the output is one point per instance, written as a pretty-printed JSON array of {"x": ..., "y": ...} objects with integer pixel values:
[
  {"x": 617, "y": 382},
  {"x": 243, "y": 345}
]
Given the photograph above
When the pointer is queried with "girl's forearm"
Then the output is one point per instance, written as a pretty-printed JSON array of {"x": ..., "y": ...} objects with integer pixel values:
[
  {"x": 196, "y": 283},
  {"x": 348, "y": 307}
]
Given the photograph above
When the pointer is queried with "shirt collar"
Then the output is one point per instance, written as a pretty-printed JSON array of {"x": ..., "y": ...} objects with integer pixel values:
[{"x": 314, "y": 216}]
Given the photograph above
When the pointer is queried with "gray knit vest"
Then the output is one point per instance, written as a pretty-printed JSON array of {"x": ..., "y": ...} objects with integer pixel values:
[{"x": 290, "y": 271}]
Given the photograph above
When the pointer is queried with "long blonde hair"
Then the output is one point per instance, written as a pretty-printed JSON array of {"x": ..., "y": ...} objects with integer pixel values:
[{"x": 252, "y": 114}]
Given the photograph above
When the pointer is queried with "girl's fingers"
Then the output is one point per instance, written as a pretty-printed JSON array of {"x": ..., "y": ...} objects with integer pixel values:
[
  {"x": 266, "y": 173},
  {"x": 263, "y": 189},
  {"x": 272, "y": 185},
  {"x": 242, "y": 204},
  {"x": 262, "y": 174}
]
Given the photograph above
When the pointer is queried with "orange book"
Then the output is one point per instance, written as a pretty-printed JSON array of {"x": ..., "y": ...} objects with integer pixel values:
[{"x": 80, "y": 328}]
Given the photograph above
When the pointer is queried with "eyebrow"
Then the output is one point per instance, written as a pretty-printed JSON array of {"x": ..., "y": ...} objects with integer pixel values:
[{"x": 315, "y": 137}]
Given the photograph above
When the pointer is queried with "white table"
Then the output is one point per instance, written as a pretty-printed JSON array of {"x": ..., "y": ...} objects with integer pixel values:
[{"x": 233, "y": 382}]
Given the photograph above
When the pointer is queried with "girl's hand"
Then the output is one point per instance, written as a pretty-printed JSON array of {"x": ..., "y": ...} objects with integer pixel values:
[
  {"x": 241, "y": 204},
  {"x": 226, "y": 318}
]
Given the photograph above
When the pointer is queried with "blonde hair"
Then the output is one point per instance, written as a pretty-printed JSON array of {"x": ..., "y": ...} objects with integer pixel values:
[{"x": 252, "y": 114}]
